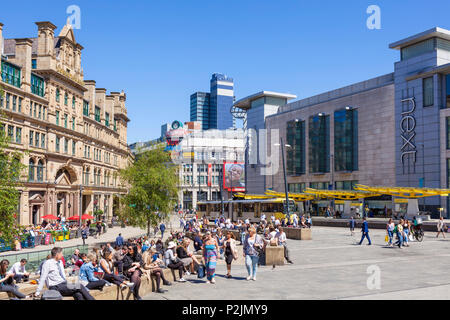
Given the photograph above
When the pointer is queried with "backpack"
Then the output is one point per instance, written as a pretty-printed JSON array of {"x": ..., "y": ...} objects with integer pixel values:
[{"x": 51, "y": 295}]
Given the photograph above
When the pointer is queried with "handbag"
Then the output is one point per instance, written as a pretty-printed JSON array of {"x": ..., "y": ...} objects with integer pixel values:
[
  {"x": 201, "y": 271},
  {"x": 386, "y": 238}
]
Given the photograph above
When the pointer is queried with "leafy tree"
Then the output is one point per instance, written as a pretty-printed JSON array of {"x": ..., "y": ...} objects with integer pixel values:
[
  {"x": 10, "y": 171},
  {"x": 152, "y": 181}
]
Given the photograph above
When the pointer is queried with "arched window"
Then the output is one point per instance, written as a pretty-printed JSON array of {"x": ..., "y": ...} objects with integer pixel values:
[
  {"x": 31, "y": 168},
  {"x": 40, "y": 171}
]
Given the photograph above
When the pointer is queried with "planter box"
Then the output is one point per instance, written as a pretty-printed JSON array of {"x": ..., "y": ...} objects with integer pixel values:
[
  {"x": 305, "y": 234},
  {"x": 274, "y": 255}
]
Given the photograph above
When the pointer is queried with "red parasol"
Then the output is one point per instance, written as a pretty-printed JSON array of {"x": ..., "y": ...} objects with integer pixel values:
[
  {"x": 49, "y": 217},
  {"x": 86, "y": 217},
  {"x": 74, "y": 218}
]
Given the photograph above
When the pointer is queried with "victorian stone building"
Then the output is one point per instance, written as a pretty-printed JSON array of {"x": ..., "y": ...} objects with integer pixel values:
[{"x": 73, "y": 135}]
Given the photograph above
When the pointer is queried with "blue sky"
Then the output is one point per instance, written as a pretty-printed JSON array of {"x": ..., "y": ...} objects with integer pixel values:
[{"x": 160, "y": 52}]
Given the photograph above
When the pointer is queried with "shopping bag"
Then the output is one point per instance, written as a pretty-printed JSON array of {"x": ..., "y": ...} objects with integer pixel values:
[
  {"x": 411, "y": 238},
  {"x": 386, "y": 238}
]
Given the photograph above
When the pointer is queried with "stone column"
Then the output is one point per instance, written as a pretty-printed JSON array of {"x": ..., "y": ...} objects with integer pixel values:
[{"x": 25, "y": 208}]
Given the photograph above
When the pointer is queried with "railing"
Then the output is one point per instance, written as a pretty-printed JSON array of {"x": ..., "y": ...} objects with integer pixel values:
[{"x": 35, "y": 258}]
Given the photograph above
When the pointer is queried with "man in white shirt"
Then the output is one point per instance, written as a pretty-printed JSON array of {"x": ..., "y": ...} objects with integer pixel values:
[
  {"x": 247, "y": 221},
  {"x": 53, "y": 276},
  {"x": 277, "y": 223},
  {"x": 281, "y": 236},
  {"x": 272, "y": 218},
  {"x": 18, "y": 269},
  {"x": 263, "y": 217}
]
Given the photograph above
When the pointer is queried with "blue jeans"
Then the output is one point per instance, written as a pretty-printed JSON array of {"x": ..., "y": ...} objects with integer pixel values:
[
  {"x": 251, "y": 262},
  {"x": 400, "y": 239},
  {"x": 242, "y": 237},
  {"x": 365, "y": 235},
  {"x": 405, "y": 238},
  {"x": 391, "y": 235}
]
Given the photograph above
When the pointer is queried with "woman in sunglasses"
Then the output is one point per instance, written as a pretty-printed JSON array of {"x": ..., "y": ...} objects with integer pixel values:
[{"x": 132, "y": 264}]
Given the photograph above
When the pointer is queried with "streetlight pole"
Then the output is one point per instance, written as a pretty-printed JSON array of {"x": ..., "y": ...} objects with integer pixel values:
[
  {"x": 80, "y": 210},
  {"x": 286, "y": 209}
]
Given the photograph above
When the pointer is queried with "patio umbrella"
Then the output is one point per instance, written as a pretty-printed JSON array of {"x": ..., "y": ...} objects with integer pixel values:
[
  {"x": 86, "y": 217},
  {"x": 49, "y": 217},
  {"x": 74, "y": 218}
]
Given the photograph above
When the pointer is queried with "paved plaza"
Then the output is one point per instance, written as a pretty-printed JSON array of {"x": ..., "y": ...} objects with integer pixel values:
[{"x": 333, "y": 266}]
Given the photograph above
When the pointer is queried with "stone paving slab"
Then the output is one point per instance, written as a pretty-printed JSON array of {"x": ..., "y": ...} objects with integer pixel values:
[{"x": 333, "y": 266}]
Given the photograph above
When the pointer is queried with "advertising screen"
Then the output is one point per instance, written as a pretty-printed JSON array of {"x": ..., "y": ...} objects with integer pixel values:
[{"x": 234, "y": 176}]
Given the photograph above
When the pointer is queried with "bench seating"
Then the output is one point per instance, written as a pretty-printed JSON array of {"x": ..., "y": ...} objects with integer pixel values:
[{"x": 109, "y": 293}]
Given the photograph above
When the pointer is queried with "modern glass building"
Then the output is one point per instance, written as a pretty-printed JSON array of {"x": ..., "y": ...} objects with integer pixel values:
[
  {"x": 200, "y": 108},
  {"x": 213, "y": 109},
  {"x": 392, "y": 130}
]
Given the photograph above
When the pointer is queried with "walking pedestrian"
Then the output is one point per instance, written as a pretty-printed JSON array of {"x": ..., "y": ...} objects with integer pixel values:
[
  {"x": 365, "y": 232},
  {"x": 253, "y": 246},
  {"x": 119, "y": 240},
  {"x": 84, "y": 233},
  {"x": 211, "y": 253},
  {"x": 406, "y": 231},
  {"x": 399, "y": 231},
  {"x": 162, "y": 228},
  {"x": 441, "y": 227},
  {"x": 390, "y": 231},
  {"x": 229, "y": 247},
  {"x": 352, "y": 224}
]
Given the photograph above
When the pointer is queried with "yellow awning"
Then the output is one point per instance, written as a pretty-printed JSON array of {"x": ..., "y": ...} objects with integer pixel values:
[
  {"x": 292, "y": 196},
  {"x": 405, "y": 192},
  {"x": 341, "y": 194}
]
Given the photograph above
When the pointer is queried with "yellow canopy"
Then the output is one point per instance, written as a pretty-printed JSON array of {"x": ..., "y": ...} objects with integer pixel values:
[
  {"x": 253, "y": 196},
  {"x": 294, "y": 196},
  {"x": 341, "y": 194},
  {"x": 405, "y": 192}
]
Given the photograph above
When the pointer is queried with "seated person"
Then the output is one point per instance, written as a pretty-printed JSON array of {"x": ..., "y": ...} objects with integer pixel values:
[
  {"x": 152, "y": 267},
  {"x": 87, "y": 270},
  {"x": 171, "y": 262},
  {"x": 198, "y": 243},
  {"x": 107, "y": 266},
  {"x": 186, "y": 257},
  {"x": 53, "y": 276},
  {"x": 18, "y": 269},
  {"x": 132, "y": 263},
  {"x": 7, "y": 281}
]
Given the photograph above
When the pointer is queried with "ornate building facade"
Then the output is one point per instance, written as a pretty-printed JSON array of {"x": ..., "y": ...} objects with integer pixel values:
[{"x": 73, "y": 135}]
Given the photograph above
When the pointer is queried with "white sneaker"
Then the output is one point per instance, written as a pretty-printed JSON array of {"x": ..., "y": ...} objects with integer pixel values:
[
  {"x": 213, "y": 281},
  {"x": 249, "y": 278},
  {"x": 187, "y": 273},
  {"x": 254, "y": 278},
  {"x": 181, "y": 280}
]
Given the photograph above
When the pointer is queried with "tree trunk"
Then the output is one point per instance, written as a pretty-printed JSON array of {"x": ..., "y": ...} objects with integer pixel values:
[{"x": 148, "y": 228}]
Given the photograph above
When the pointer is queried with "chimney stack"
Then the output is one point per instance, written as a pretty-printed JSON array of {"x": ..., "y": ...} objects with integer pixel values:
[{"x": 46, "y": 35}]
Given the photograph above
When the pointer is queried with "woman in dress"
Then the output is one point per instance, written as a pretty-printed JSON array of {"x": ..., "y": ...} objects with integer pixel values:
[
  {"x": 210, "y": 254},
  {"x": 229, "y": 248}
]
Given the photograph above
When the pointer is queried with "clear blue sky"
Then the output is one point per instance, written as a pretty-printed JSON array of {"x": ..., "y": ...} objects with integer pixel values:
[{"x": 161, "y": 51}]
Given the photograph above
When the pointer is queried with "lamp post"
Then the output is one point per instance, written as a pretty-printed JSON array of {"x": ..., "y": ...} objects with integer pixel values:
[
  {"x": 80, "y": 210},
  {"x": 286, "y": 208},
  {"x": 222, "y": 208}
]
